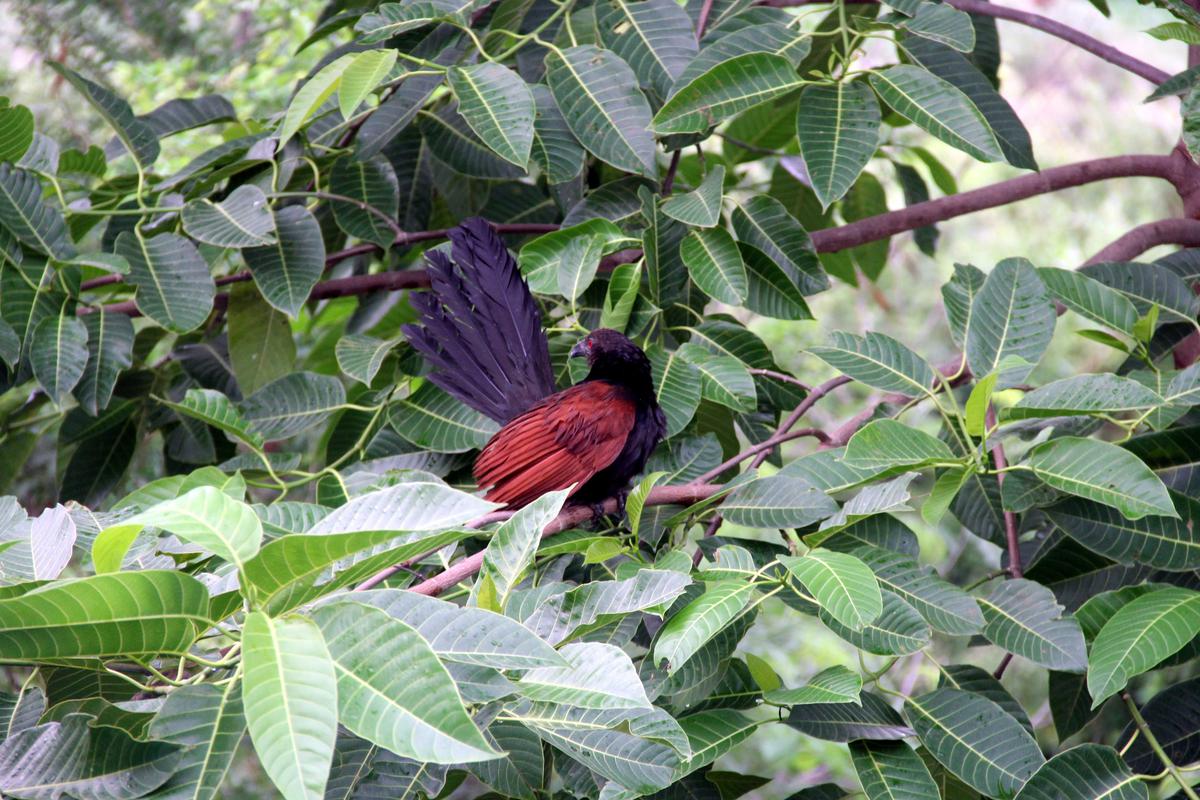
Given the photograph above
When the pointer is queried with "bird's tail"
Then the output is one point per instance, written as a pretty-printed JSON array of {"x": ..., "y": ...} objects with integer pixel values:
[{"x": 480, "y": 329}]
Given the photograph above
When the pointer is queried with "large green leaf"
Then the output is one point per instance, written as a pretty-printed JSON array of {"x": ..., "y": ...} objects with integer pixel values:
[
  {"x": 16, "y": 132},
  {"x": 942, "y": 604},
  {"x": 417, "y": 505},
  {"x": 1173, "y": 715},
  {"x": 35, "y": 223},
  {"x": 977, "y": 680},
  {"x": 1104, "y": 393},
  {"x": 1147, "y": 285},
  {"x": 1011, "y": 315},
  {"x": 261, "y": 347},
  {"x": 210, "y": 722},
  {"x": 975, "y": 739},
  {"x": 498, "y": 106},
  {"x": 559, "y": 617},
  {"x": 713, "y": 733},
  {"x": 844, "y": 722},
  {"x": 214, "y": 408},
  {"x": 520, "y": 773},
  {"x": 136, "y": 136},
  {"x": 699, "y": 621},
  {"x": 600, "y": 100},
  {"x": 838, "y": 128},
  {"x": 944, "y": 24},
  {"x": 728, "y": 88},
  {"x": 511, "y": 550},
  {"x": 715, "y": 263},
  {"x": 1139, "y": 636},
  {"x": 174, "y": 287},
  {"x": 841, "y": 584},
  {"x": 891, "y": 771},
  {"x": 291, "y": 700},
  {"x": 1024, "y": 617},
  {"x": 701, "y": 206},
  {"x": 464, "y": 634},
  {"x": 1086, "y": 771},
  {"x": 677, "y": 385},
  {"x": 432, "y": 419},
  {"x": 654, "y": 37},
  {"x": 58, "y": 353},
  {"x": 1162, "y": 542},
  {"x": 361, "y": 77},
  {"x": 205, "y": 516},
  {"x": 153, "y": 611},
  {"x": 412, "y": 708},
  {"x": 778, "y": 501},
  {"x": 72, "y": 758},
  {"x": 242, "y": 219},
  {"x": 833, "y": 685},
  {"x": 286, "y": 271},
  {"x": 939, "y": 108},
  {"x": 555, "y": 150},
  {"x": 887, "y": 445},
  {"x": 541, "y": 261},
  {"x": 372, "y": 184},
  {"x": 1102, "y": 472},
  {"x": 723, "y": 379},
  {"x": 597, "y": 676},
  {"x": 771, "y": 290},
  {"x": 110, "y": 350},
  {"x": 877, "y": 360},
  {"x": 309, "y": 97},
  {"x": 292, "y": 404},
  {"x": 763, "y": 222}
]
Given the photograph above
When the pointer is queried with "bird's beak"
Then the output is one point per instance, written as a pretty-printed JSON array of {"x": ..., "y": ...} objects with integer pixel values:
[{"x": 579, "y": 350}]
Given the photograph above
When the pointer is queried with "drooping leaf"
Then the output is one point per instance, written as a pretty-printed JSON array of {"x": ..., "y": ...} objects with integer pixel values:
[
  {"x": 1162, "y": 542},
  {"x": 702, "y": 205},
  {"x": 655, "y": 38},
  {"x": 110, "y": 350},
  {"x": 833, "y": 685},
  {"x": 726, "y": 89},
  {"x": 174, "y": 287},
  {"x": 210, "y": 722},
  {"x": 715, "y": 264},
  {"x": 887, "y": 445},
  {"x": 432, "y": 419},
  {"x": 699, "y": 621},
  {"x": 286, "y": 271},
  {"x": 844, "y": 722},
  {"x": 58, "y": 353},
  {"x": 891, "y": 771},
  {"x": 498, "y": 106},
  {"x": 1089, "y": 770},
  {"x": 292, "y": 404},
  {"x": 598, "y": 676},
  {"x": 1102, "y": 472},
  {"x": 840, "y": 583},
  {"x": 1102, "y": 393},
  {"x": 137, "y": 136},
  {"x": 838, "y": 128},
  {"x": 1010, "y": 315},
  {"x": 34, "y": 222},
  {"x": 1023, "y": 617},
  {"x": 776, "y": 502},
  {"x": 764, "y": 223},
  {"x": 877, "y": 360},
  {"x": 938, "y": 108},
  {"x": 242, "y": 219}
]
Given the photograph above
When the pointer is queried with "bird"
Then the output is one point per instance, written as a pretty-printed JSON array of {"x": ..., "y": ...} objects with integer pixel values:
[{"x": 480, "y": 331}]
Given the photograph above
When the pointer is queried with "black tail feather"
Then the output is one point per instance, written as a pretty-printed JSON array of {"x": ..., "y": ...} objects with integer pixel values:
[{"x": 480, "y": 328}]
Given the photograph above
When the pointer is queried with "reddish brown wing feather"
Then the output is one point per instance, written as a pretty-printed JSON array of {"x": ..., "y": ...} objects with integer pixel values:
[{"x": 565, "y": 439}]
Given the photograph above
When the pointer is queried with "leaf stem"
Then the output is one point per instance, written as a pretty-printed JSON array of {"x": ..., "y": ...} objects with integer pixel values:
[{"x": 1152, "y": 741}]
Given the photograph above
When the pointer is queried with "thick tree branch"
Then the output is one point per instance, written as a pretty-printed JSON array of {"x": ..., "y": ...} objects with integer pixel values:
[
  {"x": 1078, "y": 38},
  {"x": 1183, "y": 232}
]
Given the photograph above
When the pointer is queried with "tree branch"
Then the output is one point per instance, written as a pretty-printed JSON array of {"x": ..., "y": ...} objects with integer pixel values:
[{"x": 1183, "y": 232}]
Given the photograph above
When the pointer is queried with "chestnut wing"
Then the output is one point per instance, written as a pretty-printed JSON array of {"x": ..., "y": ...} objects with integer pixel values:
[{"x": 563, "y": 440}]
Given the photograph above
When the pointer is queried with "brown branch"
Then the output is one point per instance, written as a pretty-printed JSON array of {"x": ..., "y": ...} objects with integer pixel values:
[
  {"x": 1183, "y": 232},
  {"x": 1078, "y": 38},
  {"x": 765, "y": 446},
  {"x": 940, "y": 209}
]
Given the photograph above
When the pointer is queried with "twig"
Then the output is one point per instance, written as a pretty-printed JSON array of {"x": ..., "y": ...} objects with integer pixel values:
[
  {"x": 763, "y": 446},
  {"x": 1010, "y": 526},
  {"x": 668, "y": 181},
  {"x": 1152, "y": 740}
]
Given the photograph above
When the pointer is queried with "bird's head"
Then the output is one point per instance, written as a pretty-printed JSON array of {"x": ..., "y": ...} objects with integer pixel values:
[{"x": 606, "y": 349}]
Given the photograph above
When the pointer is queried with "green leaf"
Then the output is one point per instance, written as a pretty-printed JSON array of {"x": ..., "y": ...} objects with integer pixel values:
[
  {"x": 942, "y": 604},
  {"x": 214, "y": 408},
  {"x": 413, "y": 708},
  {"x": 677, "y": 385},
  {"x": 877, "y": 360},
  {"x": 416, "y": 505},
  {"x": 1011, "y": 315},
  {"x": 560, "y": 616},
  {"x": 764, "y": 223},
  {"x": 16, "y": 132},
  {"x": 1148, "y": 286},
  {"x": 723, "y": 379},
  {"x": 291, "y": 700},
  {"x": 58, "y": 353},
  {"x": 958, "y": 296},
  {"x": 137, "y": 137},
  {"x": 598, "y": 676},
  {"x": 520, "y": 772},
  {"x": 578, "y": 263},
  {"x": 891, "y": 770},
  {"x": 840, "y": 583},
  {"x": 315, "y": 91},
  {"x": 938, "y": 108},
  {"x": 975, "y": 739},
  {"x": 261, "y": 347},
  {"x": 1090, "y": 298},
  {"x": 1179, "y": 83},
  {"x": 712, "y": 734},
  {"x": 698, "y": 622},
  {"x": 109, "y": 350},
  {"x": 833, "y": 685},
  {"x": 1102, "y": 472},
  {"x": 242, "y": 219},
  {"x": 510, "y": 552},
  {"x": 498, "y": 106},
  {"x": 887, "y": 445},
  {"x": 771, "y": 291},
  {"x": 779, "y": 501},
  {"x": 715, "y": 264},
  {"x": 899, "y": 629},
  {"x": 434, "y": 420},
  {"x": 1175, "y": 31},
  {"x": 843, "y": 722},
  {"x": 600, "y": 100},
  {"x": 174, "y": 287},
  {"x": 726, "y": 89},
  {"x": 72, "y": 758},
  {"x": 701, "y": 206},
  {"x": 206, "y": 516},
  {"x": 838, "y": 128},
  {"x": 361, "y": 77},
  {"x": 1174, "y": 717},
  {"x": 970, "y": 678},
  {"x": 360, "y": 356},
  {"x": 1023, "y": 617},
  {"x": 371, "y": 183},
  {"x": 977, "y": 405},
  {"x": 1103, "y": 393},
  {"x": 292, "y": 404},
  {"x": 1139, "y": 636},
  {"x": 541, "y": 260},
  {"x": 621, "y": 296},
  {"x": 1165, "y": 543},
  {"x": 655, "y": 38},
  {"x": 286, "y": 271},
  {"x": 35, "y": 223},
  {"x": 943, "y": 24},
  {"x": 130, "y": 613},
  {"x": 210, "y": 722}
]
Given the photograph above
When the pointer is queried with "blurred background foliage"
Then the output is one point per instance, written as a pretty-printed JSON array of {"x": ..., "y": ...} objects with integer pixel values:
[{"x": 1074, "y": 106}]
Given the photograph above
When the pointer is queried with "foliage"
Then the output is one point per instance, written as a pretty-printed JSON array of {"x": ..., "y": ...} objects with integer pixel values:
[{"x": 232, "y": 322}]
